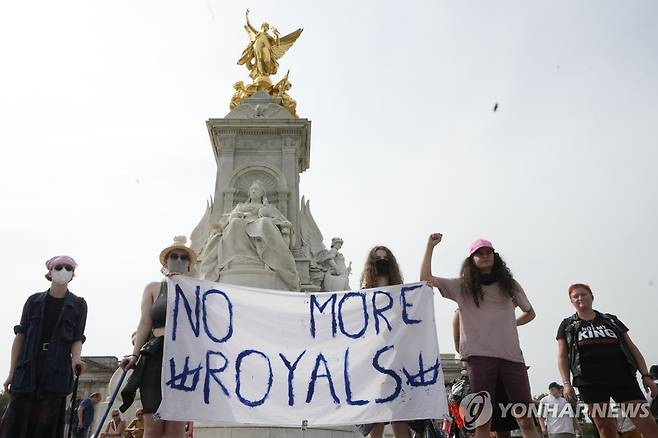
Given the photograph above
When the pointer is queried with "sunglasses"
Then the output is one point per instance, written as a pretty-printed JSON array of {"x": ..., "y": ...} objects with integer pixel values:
[
  {"x": 60, "y": 267},
  {"x": 183, "y": 257}
]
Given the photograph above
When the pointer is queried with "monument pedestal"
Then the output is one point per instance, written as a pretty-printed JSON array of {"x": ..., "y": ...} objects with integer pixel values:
[
  {"x": 258, "y": 140},
  {"x": 262, "y": 278}
]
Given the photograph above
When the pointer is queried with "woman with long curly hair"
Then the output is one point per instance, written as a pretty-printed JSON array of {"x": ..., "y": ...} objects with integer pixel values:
[
  {"x": 381, "y": 269},
  {"x": 487, "y": 296}
]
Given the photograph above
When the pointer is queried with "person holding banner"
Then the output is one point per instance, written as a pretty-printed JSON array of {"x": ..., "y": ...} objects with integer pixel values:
[
  {"x": 146, "y": 357},
  {"x": 381, "y": 269},
  {"x": 487, "y": 296},
  {"x": 44, "y": 357}
]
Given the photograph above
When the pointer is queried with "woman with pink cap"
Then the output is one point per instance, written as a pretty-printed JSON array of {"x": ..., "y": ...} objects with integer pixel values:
[
  {"x": 44, "y": 356},
  {"x": 487, "y": 296}
]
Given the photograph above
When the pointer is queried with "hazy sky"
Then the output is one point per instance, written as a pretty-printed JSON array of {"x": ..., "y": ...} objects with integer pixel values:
[{"x": 106, "y": 156}]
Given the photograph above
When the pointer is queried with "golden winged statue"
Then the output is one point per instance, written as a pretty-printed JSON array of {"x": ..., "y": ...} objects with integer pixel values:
[{"x": 261, "y": 55}]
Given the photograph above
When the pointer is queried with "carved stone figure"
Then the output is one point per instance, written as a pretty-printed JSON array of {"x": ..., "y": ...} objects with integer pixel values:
[
  {"x": 335, "y": 274},
  {"x": 254, "y": 235},
  {"x": 261, "y": 55}
]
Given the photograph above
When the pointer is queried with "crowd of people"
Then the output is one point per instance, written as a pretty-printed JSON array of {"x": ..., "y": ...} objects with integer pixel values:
[
  {"x": 118, "y": 427},
  {"x": 596, "y": 355}
]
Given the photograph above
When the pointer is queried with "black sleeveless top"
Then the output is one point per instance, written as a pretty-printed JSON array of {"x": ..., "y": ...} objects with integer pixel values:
[{"x": 159, "y": 308}]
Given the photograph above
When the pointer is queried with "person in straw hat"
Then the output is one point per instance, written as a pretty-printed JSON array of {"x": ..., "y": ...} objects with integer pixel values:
[
  {"x": 146, "y": 357},
  {"x": 44, "y": 356}
]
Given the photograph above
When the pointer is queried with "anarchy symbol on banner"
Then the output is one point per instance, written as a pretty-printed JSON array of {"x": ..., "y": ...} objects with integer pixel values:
[{"x": 476, "y": 409}]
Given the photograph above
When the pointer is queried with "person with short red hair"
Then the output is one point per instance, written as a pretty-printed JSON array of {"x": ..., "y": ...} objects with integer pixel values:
[{"x": 595, "y": 349}]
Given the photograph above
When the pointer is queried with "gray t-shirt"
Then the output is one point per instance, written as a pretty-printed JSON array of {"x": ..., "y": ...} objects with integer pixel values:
[{"x": 488, "y": 330}]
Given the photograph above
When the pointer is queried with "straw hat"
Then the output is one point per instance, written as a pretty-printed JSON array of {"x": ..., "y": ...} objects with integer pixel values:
[{"x": 179, "y": 243}]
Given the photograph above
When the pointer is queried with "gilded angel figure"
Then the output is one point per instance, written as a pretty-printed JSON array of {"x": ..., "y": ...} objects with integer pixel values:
[
  {"x": 261, "y": 55},
  {"x": 281, "y": 90}
]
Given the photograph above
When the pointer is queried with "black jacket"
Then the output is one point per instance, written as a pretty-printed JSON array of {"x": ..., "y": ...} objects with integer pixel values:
[
  {"x": 52, "y": 375},
  {"x": 572, "y": 324}
]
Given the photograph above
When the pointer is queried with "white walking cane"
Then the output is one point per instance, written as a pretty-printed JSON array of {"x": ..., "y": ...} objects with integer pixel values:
[{"x": 109, "y": 404}]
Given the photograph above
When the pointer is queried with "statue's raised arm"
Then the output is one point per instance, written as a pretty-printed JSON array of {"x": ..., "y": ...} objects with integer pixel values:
[{"x": 249, "y": 28}]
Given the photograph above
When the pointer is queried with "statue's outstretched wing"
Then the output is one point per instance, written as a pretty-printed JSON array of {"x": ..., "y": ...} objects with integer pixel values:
[
  {"x": 285, "y": 43},
  {"x": 311, "y": 235},
  {"x": 200, "y": 233}
]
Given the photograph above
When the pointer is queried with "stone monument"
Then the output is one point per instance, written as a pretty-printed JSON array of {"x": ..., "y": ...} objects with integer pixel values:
[{"x": 254, "y": 231}]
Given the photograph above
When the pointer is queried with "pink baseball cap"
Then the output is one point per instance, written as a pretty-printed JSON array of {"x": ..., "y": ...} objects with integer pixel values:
[{"x": 480, "y": 243}]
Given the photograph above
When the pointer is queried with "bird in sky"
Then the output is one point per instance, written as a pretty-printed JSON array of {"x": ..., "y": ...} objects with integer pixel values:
[{"x": 495, "y": 108}]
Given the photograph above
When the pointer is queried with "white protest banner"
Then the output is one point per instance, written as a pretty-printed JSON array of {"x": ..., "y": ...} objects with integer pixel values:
[{"x": 239, "y": 355}]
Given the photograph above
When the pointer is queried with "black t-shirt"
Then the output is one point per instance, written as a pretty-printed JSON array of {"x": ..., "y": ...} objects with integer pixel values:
[
  {"x": 50, "y": 316},
  {"x": 601, "y": 358}
]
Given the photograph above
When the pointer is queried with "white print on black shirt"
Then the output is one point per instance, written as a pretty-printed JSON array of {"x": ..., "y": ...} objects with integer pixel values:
[{"x": 596, "y": 334}]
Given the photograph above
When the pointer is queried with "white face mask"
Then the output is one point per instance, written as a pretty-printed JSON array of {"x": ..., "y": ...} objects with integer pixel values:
[
  {"x": 62, "y": 276},
  {"x": 177, "y": 266}
]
